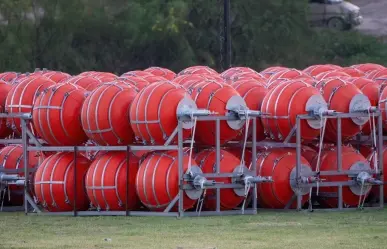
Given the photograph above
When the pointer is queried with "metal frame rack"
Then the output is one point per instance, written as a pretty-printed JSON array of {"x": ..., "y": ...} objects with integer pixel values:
[{"x": 30, "y": 143}]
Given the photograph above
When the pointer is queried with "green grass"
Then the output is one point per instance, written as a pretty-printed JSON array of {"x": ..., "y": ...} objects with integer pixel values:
[{"x": 358, "y": 229}]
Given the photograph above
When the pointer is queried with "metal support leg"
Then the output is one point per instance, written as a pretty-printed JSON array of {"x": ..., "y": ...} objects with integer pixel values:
[
  {"x": 75, "y": 182},
  {"x": 26, "y": 163},
  {"x": 217, "y": 162},
  {"x": 254, "y": 163},
  {"x": 181, "y": 168},
  {"x": 339, "y": 162},
  {"x": 380, "y": 159},
  {"x": 298, "y": 159},
  {"x": 127, "y": 181}
]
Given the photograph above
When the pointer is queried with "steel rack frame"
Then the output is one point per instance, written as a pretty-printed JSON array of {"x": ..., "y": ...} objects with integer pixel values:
[{"x": 31, "y": 143}]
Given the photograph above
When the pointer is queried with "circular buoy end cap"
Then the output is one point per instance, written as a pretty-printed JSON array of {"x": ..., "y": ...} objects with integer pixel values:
[
  {"x": 194, "y": 193},
  {"x": 305, "y": 171},
  {"x": 185, "y": 107},
  {"x": 234, "y": 105},
  {"x": 316, "y": 104},
  {"x": 240, "y": 170},
  {"x": 359, "y": 103},
  {"x": 358, "y": 189}
]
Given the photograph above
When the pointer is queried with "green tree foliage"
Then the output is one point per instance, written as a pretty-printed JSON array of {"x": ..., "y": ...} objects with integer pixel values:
[{"x": 122, "y": 35}]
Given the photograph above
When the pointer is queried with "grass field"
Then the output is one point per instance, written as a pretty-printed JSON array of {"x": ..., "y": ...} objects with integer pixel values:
[{"x": 333, "y": 230}]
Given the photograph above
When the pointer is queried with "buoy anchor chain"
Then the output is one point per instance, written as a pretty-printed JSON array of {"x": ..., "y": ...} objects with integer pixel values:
[{"x": 366, "y": 178}]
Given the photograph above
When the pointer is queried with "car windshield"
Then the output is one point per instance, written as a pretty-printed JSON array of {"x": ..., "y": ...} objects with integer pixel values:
[{"x": 335, "y": 1}]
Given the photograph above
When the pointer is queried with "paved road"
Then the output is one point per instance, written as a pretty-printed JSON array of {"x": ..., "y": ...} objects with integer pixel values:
[{"x": 375, "y": 16}]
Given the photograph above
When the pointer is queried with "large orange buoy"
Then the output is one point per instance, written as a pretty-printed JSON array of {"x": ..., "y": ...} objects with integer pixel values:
[
  {"x": 163, "y": 72},
  {"x": 8, "y": 76},
  {"x": 4, "y": 90},
  {"x": 22, "y": 96},
  {"x": 245, "y": 76},
  {"x": 153, "y": 79},
  {"x": 331, "y": 74},
  {"x": 368, "y": 67},
  {"x": 236, "y": 70},
  {"x": 229, "y": 198},
  {"x": 56, "y": 115},
  {"x": 106, "y": 181},
  {"x": 375, "y": 190},
  {"x": 237, "y": 152},
  {"x": 153, "y": 113},
  {"x": 157, "y": 181},
  {"x": 353, "y": 72},
  {"x": 87, "y": 82},
  {"x": 289, "y": 74},
  {"x": 370, "y": 89},
  {"x": 198, "y": 70},
  {"x": 280, "y": 164},
  {"x": 137, "y": 82},
  {"x": 351, "y": 160},
  {"x": 105, "y": 114},
  {"x": 11, "y": 159},
  {"x": 253, "y": 93},
  {"x": 308, "y": 153},
  {"x": 56, "y": 76},
  {"x": 268, "y": 72},
  {"x": 54, "y": 182},
  {"x": 347, "y": 98},
  {"x": 221, "y": 99},
  {"x": 318, "y": 69},
  {"x": 137, "y": 73},
  {"x": 283, "y": 103},
  {"x": 380, "y": 74}
]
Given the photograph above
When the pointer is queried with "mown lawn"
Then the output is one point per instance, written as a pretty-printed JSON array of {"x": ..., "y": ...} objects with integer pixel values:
[{"x": 333, "y": 230}]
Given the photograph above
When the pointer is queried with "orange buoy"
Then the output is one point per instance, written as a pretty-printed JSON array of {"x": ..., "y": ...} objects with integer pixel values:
[
  {"x": 56, "y": 76},
  {"x": 308, "y": 153},
  {"x": 137, "y": 73},
  {"x": 236, "y": 70},
  {"x": 347, "y": 98},
  {"x": 318, "y": 69},
  {"x": 245, "y": 76},
  {"x": 8, "y": 76},
  {"x": 153, "y": 79},
  {"x": 221, "y": 99},
  {"x": 370, "y": 89},
  {"x": 383, "y": 107},
  {"x": 380, "y": 74},
  {"x": 54, "y": 182},
  {"x": 105, "y": 114},
  {"x": 153, "y": 113},
  {"x": 163, "y": 72},
  {"x": 268, "y": 72},
  {"x": 284, "y": 102},
  {"x": 89, "y": 83},
  {"x": 137, "y": 82},
  {"x": 157, "y": 181},
  {"x": 331, "y": 74},
  {"x": 56, "y": 115},
  {"x": 287, "y": 74},
  {"x": 368, "y": 67},
  {"x": 237, "y": 152},
  {"x": 280, "y": 164},
  {"x": 11, "y": 160},
  {"x": 22, "y": 96},
  {"x": 106, "y": 181},
  {"x": 351, "y": 160},
  {"x": 229, "y": 198},
  {"x": 199, "y": 70},
  {"x": 253, "y": 93},
  {"x": 188, "y": 80},
  {"x": 353, "y": 72},
  {"x": 4, "y": 90}
]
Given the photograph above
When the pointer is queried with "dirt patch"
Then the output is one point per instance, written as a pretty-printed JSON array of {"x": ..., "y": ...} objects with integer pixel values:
[{"x": 375, "y": 17}]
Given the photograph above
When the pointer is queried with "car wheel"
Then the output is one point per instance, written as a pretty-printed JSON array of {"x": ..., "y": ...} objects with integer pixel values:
[{"x": 337, "y": 23}]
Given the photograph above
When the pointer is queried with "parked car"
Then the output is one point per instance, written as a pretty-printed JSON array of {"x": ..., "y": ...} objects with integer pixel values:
[{"x": 334, "y": 14}]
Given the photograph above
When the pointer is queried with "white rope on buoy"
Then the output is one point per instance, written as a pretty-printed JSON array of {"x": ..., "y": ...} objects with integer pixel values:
[
  {"x": 373, "y": 138},
  {"x": 245, "y": 139}
]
